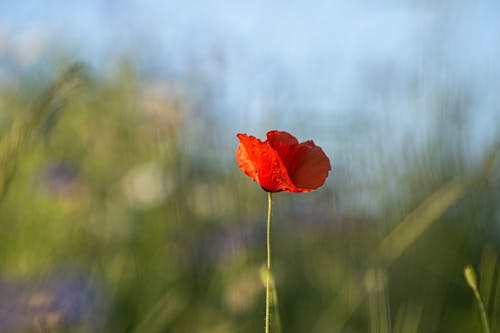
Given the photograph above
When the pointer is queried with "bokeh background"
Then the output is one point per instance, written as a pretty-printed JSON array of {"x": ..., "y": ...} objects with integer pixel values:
[{"x": 122, "y": 208}]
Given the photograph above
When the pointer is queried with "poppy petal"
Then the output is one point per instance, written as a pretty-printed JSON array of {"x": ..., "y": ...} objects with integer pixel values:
[
  {"x": 260, "y": 162},
  {"x": 282, "y": 164},
  {"x": 273, "y": 176},
  {"x": 311, "y": 166},
  {"x": 248, "y": 155},
  {"x": 287, "y": 148},
  {"x": 281, "y": 138}
]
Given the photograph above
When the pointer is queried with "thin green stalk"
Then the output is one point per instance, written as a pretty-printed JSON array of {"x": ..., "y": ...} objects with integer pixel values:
[
  {"x": 484, "y": 318},
  {"x": 268, "y": 266},
  {"x": 470, "y": 276}
]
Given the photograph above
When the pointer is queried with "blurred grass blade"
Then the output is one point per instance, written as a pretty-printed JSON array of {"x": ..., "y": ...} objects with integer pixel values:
[
  {"x": 408, "y": 318},
  {"x": 264, "y": 275},
  {"x": 391, "y": 248},
  {"x": 162, "y": 313},
  {"x": 274, "y": 300},
  {"x": 487, "y": 268},
  {"x": 418, "y": 221},
  {"x": 48, "y": 105},
  {"x": 38, "y": 121},
  {"x": 375, "y": 283}
]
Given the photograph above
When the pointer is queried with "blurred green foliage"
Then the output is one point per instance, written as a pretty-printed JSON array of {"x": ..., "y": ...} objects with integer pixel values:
[{"x": 112, "y": 178}]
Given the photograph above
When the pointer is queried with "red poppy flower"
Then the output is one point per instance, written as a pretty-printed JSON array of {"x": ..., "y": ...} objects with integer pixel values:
[{"x": 281, "y": 163}]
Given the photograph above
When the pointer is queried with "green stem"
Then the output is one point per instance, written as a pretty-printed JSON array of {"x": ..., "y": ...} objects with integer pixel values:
[
  {"x": 484, "y": 318},
  {"x": 268, "y": 266},
  {"x": 471, "y": 278}
]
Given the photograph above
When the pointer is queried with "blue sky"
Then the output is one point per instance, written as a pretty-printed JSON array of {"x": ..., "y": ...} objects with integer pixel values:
[{"x": 341, "y": 63}]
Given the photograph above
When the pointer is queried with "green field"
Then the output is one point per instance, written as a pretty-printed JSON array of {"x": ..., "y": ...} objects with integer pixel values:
[{"x": 122, "y": 209}]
